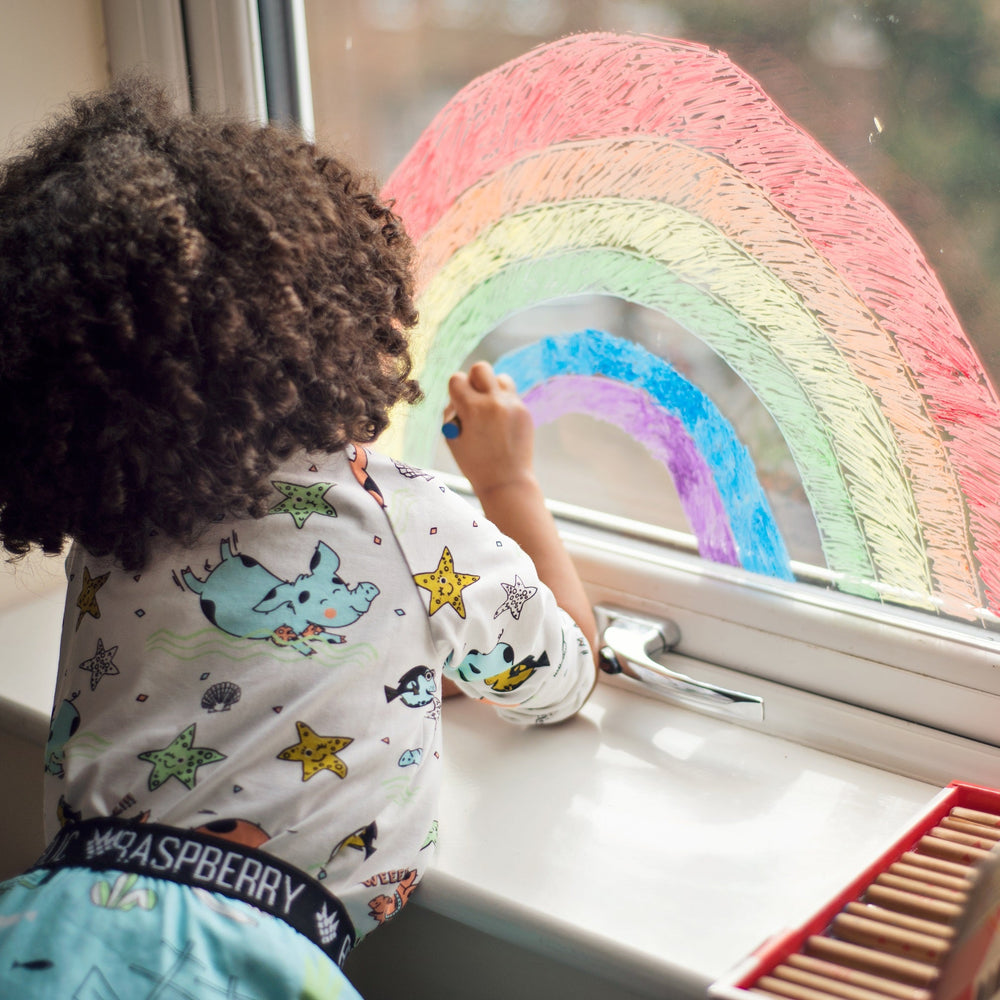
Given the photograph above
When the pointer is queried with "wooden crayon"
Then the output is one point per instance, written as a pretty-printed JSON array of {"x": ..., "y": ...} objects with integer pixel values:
[
  {"x": 856, "y": 977},
  {"x": 987, "y": 819},
  {"x": 967, "y": 839},
  {"x": 904, "y": 970},
  {"x": 913, "y": 903},
  {"x": 936, "y": 864},
  {"x": 917, "y": 924},
  {"x": 967, "y": 826},
  {"x": 931, "y": 877},
  {"x": 892, "y": 881},
  {"x": 838, "y": 987},
  {"x": 950, "y": 851},
  {"x": 794, "y": 991},
  {"x": 890, "y": 939}
]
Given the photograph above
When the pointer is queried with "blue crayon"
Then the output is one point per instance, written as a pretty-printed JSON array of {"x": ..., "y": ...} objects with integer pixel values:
[{"x": 452, "y": 428}]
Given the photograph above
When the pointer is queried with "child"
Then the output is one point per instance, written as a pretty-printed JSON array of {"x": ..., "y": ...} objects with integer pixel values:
[{"x": 202, "y": 323}]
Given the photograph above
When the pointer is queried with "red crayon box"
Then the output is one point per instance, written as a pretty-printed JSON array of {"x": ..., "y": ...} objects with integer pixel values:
[{"x": 922, "y": 922}]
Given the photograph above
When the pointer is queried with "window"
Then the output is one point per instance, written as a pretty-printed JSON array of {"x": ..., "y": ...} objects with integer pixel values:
[{"x": 765, "y": 413}]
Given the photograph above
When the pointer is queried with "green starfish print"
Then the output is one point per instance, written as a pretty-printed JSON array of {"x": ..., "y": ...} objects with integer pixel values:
[
  {"x": 301, "y": 501},
  {"x": 101, "y": 663},
  {"x": 180, "y": 760}
]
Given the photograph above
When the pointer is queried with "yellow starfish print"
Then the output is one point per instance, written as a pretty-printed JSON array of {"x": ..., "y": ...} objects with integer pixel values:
[
  {"x": 445, "y": 585},
  {"x": 317, "y": 753},
  {"x": 87, "y": 601}
]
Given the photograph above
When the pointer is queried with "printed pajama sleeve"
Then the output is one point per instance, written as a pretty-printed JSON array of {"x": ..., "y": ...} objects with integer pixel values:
[{"x": 501, "y": 636}]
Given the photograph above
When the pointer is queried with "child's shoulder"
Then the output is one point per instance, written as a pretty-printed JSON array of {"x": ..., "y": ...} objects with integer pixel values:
[
  {"x": 397, "y": 473},
  {"x": 403, "y": 484}
]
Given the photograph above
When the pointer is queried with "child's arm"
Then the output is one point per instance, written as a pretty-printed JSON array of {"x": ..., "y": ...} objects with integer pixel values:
[{"x": 495, "y": 452}]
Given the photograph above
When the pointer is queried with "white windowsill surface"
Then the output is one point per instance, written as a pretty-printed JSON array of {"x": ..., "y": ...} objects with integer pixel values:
[
  {"x": 640, "y": 843},
  {"x": 650, "y": 844}
]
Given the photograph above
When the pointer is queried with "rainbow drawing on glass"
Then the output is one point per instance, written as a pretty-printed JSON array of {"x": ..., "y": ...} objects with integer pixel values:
[
  {"x": 626, "y": 385},
  {"x": 658, "y": 172}
]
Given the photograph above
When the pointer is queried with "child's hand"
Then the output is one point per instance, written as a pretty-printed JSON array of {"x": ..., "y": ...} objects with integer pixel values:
[
  {"x": 494, "y": 449},
  {"x": 495, "y": 445}
]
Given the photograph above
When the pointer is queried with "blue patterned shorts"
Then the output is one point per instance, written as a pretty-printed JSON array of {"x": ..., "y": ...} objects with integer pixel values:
[{"x": 74, "y": 932}]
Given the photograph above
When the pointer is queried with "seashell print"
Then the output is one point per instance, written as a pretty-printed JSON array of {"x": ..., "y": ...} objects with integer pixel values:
[{"x": 221, "y": 697}]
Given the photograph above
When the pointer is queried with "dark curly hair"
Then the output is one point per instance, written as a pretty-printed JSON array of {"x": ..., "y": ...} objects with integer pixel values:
[{"x": 184, "y": 301}]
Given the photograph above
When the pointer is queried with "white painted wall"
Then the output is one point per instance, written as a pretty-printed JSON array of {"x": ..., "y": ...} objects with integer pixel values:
[{"x": 49, "y": 49}]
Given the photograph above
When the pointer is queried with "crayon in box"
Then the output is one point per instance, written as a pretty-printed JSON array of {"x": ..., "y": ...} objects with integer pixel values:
[{"x": 922, "y": 922}]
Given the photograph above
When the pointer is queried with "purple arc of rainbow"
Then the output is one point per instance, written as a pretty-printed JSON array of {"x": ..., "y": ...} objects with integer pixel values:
[{"x": 619, "y": 382}]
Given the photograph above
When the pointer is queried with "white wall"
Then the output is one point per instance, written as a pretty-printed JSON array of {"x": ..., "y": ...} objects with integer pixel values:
[{"x": 49, "y": 49}]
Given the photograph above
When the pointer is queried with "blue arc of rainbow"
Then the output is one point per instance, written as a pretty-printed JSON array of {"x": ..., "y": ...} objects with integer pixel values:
[{"x": 623, "y": 384}]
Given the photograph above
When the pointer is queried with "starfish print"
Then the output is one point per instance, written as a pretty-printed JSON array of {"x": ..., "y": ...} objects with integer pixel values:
[
  {"x": 100, "y": 664},
  {"x": 180, "y": 760},
  {"x": 301, "y": 501},
  {"x": 445, "y": 585},
  {"x": 517, "y": 595},
  {"x": 317, "y": 753},
  {"x": 87, "y": 601}
]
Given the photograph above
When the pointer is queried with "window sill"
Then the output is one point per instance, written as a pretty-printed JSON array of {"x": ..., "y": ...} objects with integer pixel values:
[
  {"x": 647, "y": 844},
  {"x": 641, "y": 844}
]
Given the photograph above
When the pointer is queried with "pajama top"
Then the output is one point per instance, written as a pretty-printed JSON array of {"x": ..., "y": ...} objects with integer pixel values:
[{"x": 278, "y": 683}]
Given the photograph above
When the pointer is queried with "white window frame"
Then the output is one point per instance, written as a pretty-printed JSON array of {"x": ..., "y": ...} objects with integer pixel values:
[
  {"x": 898, "y": 690},
  {"x": 208, "y": 52},
  {"x": 147, "y": 36}
]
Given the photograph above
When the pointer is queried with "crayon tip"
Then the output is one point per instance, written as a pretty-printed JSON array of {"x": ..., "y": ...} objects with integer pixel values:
[{"x": 451, "y": 428}]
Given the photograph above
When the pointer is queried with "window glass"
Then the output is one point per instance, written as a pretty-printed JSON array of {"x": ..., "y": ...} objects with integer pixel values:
[{"x": 774, "y": 448}]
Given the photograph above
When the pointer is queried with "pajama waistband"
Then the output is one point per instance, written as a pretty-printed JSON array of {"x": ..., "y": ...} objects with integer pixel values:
[{"x": 206, "y": 862}]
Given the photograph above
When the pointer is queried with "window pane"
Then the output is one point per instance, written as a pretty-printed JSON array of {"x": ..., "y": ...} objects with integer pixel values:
[
  {"x": 906, "y": 97},
  {"x": 589, "y": 460}
]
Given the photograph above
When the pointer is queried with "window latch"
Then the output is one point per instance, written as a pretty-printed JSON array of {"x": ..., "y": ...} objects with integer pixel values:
[{"x": 628, "y": 646}]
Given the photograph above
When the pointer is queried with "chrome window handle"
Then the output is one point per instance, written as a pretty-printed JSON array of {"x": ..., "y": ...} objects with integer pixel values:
[{"x": 628, "y": 645}]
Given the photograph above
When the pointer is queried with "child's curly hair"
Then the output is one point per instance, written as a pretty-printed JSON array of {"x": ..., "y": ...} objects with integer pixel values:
[{"x": 184, "y": 301}]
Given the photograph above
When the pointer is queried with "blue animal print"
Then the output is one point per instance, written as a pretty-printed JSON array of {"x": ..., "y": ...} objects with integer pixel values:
[
  {"x": 244, "y": 599},
  {"x": 65, "y": 722},
  {"x": 476, "y": 664}
]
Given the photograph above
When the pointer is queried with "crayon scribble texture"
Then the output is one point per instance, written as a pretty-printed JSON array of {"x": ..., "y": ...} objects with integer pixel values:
[{"x": 657, "y": 171}]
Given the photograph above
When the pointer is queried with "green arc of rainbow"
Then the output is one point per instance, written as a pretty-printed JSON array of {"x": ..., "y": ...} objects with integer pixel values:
[{"x": 678, "y": 264}]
